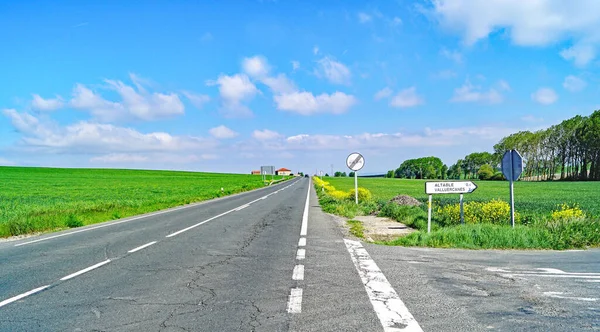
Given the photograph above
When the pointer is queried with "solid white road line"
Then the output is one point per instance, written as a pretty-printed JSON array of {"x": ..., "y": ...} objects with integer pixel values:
[
  {"x": 510, "y": 275},
  {"x": 200, "y": 223},
  {"x": 559, "y": 295},
  {"x": 87, "y": 269},
  {"x": 302, "y": 242},
  {"x": 295, "y": 301},
  {"x": 18, "y": 297},
  {"x": 242, "y": 207},
  {"x": 122, "y": 221},
  {"x": 142, "y": 247},
  {"x": 298, "y": 272},
  {"x": 305, "y": 215},
  {"x": 392, "y": 313},
  {"x": 301, "y": 254}
]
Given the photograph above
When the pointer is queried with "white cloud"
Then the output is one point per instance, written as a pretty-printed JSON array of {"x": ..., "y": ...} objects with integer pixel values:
[
  {"x": 531, "y": 118},
  {"x": 452, "y": 55},
  {"x": 503, "y": 85},
  {"x": 445, "y": 74},
  {"x": 116, "y": 158},
  {"x": 544, "y": 96},
  {"x": 6, "y": 162},
  {"x": 198, "y": 100},
  {"x": 138, "y": 105},
  {"x": 471, "y": 93},
  {"x": 574, "y": 83},
  {"x": 222, "y": 132},
  {"x": 336, "y": 72},
  {"x": 528, "y": 23},
  {"x": 256, "y": 66},
  {"x": 407, "y": 98},
  {"x": 234, "y": 90},
  {"x": 384, "y": 141},
  {"x": 279, "y": 84},
  {"x": 295, "y": 65},
  {"x": 91, "y": 137},
  {"x": 305, "y": 103},
  {"x": 316, "y": 50},
  {"x": 396, "y": 21},
  {"x": 383, "y": 93},
  {"x": 266, "y": 134},
  {"x": 364, "y": 17},
  {"x": 581, "y": 54},
  {"x": 39, "y": 103}
]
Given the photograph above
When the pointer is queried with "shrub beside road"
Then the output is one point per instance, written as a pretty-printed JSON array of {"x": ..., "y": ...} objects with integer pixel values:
[{"x": 551, "y": 215}]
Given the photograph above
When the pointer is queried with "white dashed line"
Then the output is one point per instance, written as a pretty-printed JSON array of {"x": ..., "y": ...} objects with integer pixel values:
[
  {"x": 304, "y": 228},
  {"x": 87, "y": 269},
  {"x": 302, "y": 242},
  {"x": 301, "y": 254},
  {"x": 392, "y": 313},
  {"x": 18, "y": 297},
  {"x": 298, "y": 272},
  {"x": 295, "y": 301},
  {"x": 142, "y": 247}
]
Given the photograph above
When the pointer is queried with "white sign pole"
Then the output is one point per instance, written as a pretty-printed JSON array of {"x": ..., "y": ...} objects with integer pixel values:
[
  {"x": 512, "y": 204},
  {"x": 462, "y": 210},
  {"x": 356, "y": 186},
  {"x": 429, "y": 215}
]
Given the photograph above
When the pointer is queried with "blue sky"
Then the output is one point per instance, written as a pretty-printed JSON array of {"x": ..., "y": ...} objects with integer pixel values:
[{"x": 221, "y": 86}]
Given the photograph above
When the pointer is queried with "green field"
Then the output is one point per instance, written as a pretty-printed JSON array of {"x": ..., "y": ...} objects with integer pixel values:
[
  {"x": 530, "y": 197},
  {"x": 42, "y": 199}
]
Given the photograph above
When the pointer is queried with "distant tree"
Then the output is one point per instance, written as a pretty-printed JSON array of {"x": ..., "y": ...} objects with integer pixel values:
[
  {"x": 326, "y": 174},
  {"x": 390, "y": 174},
  {"x": 344, "y": 174},
  {"x": 337, "y": 174},
  {"x": 444, "y": 174},
  {"x": 351, "y": 174},
  {"x": 485, "y": 172}
]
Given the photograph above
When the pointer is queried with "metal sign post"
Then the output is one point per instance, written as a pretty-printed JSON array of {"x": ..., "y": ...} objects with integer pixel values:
[
  {"x": 355, "y": 162},
  {"x": 512, "y": 167},
  {"x": 448, "y": 187}
]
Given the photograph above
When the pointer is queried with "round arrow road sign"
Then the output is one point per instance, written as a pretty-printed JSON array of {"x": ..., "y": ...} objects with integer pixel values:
[{"x": 355, "y": 161}]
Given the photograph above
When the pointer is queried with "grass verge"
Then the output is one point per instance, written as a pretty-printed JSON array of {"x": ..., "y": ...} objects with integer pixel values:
[
  {"x": 356, "y": 228},
  {"x": 540, "y": 231}
]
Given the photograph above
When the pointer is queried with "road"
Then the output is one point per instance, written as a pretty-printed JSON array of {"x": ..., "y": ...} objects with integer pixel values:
[{"x": 271, "y": 260}]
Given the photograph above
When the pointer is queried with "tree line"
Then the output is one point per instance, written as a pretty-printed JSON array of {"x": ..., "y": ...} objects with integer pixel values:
[{"x": 566, "y": 151}]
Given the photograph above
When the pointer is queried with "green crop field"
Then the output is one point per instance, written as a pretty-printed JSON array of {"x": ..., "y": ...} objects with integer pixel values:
[
  {"x": 530, "y": 197},
  {"x": 41, "y": 199}
]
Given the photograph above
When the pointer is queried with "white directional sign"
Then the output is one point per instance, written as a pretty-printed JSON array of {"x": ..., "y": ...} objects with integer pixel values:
[
  {"x": 355, "y": 161},
  {"x": 449, "y": 187}
]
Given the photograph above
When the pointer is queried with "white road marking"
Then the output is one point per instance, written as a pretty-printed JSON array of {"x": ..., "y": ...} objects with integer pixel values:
[
  {"x": 305, "y": 215},
  {"x": 295, "y": 301},
  {"x": 87, "y": 269},
  {"x": 142, "y": 247},
  {"x": 550, "y": 270},
  {"x": 302, "y": 242},
  {"x": 298, "y": 272},
  {"x": 558, "y": 295},
  {"x": 126, "y": 220},
  {"x": 392, "y": 313},
  {"x": 18, "y": 297},
  {"x": 301, "y": 254},
  {"x": 242, "y": 207},
  {"x": 510, "y": 275},
  {"x": 200, "y": 223}
]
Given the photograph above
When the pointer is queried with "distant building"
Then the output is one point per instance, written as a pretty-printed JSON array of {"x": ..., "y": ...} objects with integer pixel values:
[
  {"x": 283, "y": 171},
  {"x": 255, "y": 173}
]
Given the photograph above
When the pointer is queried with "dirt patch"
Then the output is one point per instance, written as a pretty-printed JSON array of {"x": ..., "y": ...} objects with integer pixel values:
[
  {"x": 18, "y": 237},
  {"x": 382, "y": 229},
  {"x": 405, "y": 200}
]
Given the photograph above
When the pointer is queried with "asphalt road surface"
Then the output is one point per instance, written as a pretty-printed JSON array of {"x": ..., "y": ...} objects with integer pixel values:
[{"x": 271, "y": 260}]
